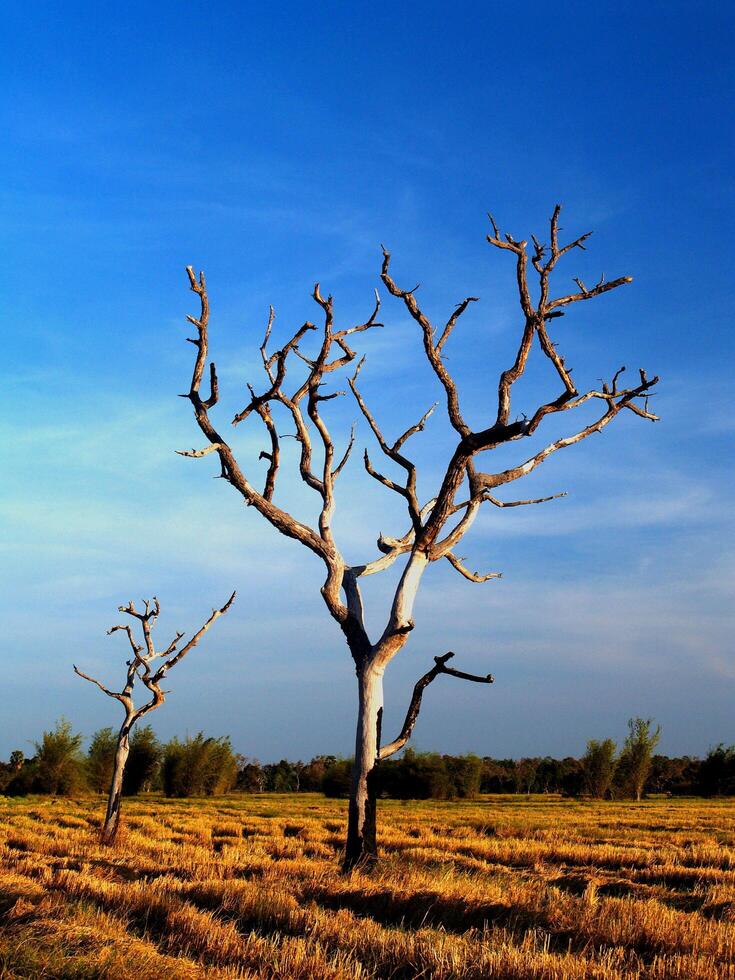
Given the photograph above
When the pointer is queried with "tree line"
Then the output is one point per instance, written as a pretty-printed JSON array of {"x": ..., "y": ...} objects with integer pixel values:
[
  {"x": 205, "y": 766},
  {"x": 196, "y": 766}
]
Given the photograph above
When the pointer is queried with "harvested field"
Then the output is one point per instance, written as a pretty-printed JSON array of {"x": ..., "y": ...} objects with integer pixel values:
[{"x": 249, "y": 886}]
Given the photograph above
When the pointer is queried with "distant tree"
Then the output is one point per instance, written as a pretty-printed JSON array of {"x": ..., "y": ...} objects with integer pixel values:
[
  {"x": 635, "y": 760},
  {"x": 313, "y": 773},
  {"x": 336, "y": 783},
  {"x": 717, "y": 772},
  {"x": 250, "y": 776},
  {"x": 673, "y": 775},
  {"x": 199, "y": 766},
  {"x": 144, "y": 761},
  {"x": 417, "y": 776},
  {"x": 465, "y": 775},
  {"x": 525, "y": 775},
  {"x": 59, "y": 763},
  {"x": 175, "y": 779},
  {"x": 140, "y": 667},
  {"x": 687, "y": 778},
  {"x": 283, "y": 776},
  {"x": 9, "y": 770},
  {"x": 221, "y": 775},
  {"x": 599, "y": 767},
  {"x": 547, "y": 775},
  {"x": 101, "y": 759},
  {"x": 22, "y": 781},
  {"x": 498, "y": 775},
  {"x": 571, "y": 776}
]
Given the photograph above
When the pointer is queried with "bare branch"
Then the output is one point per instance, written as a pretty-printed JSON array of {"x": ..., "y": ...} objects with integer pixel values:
[
  {"x": 556, "y": 359},
  {"x": 274, "y": 456},
  {"x": 134, "y": 646},
  {"x": 340, "y": 466},
  {"x": 231, "y": 471},
  {"x": 466, "y": 573},
  {"x": 418, "y": 692},
  {"x": 172, "y": 661},
  {"x": 433, "y": 355},
  {"x": 452, "y": 321},
  {"x": 418, "y": 427},
  {"x": 392, "y": 452},
  {"x": 386, "y": 481},
  {"x": 111, "y": 694},
  {"x": 267, "y": 364},
  {"x": 275, "y": 387},
  {"x": 522, "y": 503},
  {"x": 391, "y": 548},
  {"x": 198, "y": 453},
  {"x": 151, "y": 611},
  {"x": 624, "y": 401},
  {"x": 584, "y": 293},
  {"x": 172, "y": 646},
  {"x": 370, "y": 322},
  {"x": 509, "y": 377}
]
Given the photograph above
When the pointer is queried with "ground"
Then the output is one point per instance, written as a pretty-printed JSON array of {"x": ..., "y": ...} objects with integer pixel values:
[{"x": 249, "y": 886}]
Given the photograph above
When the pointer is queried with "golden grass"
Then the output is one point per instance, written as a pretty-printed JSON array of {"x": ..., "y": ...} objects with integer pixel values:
[{"x": 250, "y": 887}]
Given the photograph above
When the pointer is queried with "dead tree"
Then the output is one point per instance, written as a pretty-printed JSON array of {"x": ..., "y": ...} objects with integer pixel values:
[
  {"x": 140, "y": 667},
  {"x": 435, "y": 527}
]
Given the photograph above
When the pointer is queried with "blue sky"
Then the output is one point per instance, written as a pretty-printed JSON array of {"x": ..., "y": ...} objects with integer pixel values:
[{"x": 274, "y": 146}]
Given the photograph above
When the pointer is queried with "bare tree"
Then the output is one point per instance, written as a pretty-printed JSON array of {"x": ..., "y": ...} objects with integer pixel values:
[
  {"x": 436, "y": 526},
  {"x": 140, "y": 667}
]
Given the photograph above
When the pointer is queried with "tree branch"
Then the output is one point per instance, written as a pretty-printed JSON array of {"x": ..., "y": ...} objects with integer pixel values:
[
  {"x": 133, "y": 645},
  {"x": 119, "y": 696},
  {"x": 340, "y": 466},
  {"x": 466, "y": 573},
  {"x": 613, "y": 408},
  {"x": 452, "y": 322},
  {"x": 433, "y": 351},
  {"x": 584, "y": 293},
  {"x": 172, "y": 661},
  {"x": 418, "y": 693},
  {"x": 408, "y": 491}
]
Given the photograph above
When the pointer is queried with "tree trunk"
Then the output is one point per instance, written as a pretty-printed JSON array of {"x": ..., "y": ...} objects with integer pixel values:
[
  {"x": 112, "y": 817},
  {"x": 362, "y": 847}
]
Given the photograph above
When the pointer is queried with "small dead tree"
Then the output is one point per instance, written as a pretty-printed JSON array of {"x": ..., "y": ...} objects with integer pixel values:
[
  {"x": 436, "y": 527},
  {"x": 140, "y": 667}
]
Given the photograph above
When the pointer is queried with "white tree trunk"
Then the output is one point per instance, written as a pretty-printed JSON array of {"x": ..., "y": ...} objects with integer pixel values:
[
  {"x": 361, "y": 835},
  {"x": 112, "y": 817}
]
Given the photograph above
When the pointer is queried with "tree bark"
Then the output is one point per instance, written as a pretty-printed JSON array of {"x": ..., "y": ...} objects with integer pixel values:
[
  {"x": 112, "y": 817},
  {"x": 362, "y": 846}
]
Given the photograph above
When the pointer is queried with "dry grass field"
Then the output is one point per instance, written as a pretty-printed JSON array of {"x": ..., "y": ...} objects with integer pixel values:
[{"x": 250, "y": 887}]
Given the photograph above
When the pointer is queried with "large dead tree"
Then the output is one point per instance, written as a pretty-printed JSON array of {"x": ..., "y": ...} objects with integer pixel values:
[
  {"x": 140, "y": 667},
  {"x": 436, "y": 526}
]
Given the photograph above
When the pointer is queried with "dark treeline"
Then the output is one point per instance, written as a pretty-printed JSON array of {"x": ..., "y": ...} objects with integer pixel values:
[{"x": 202, "y": 766}]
